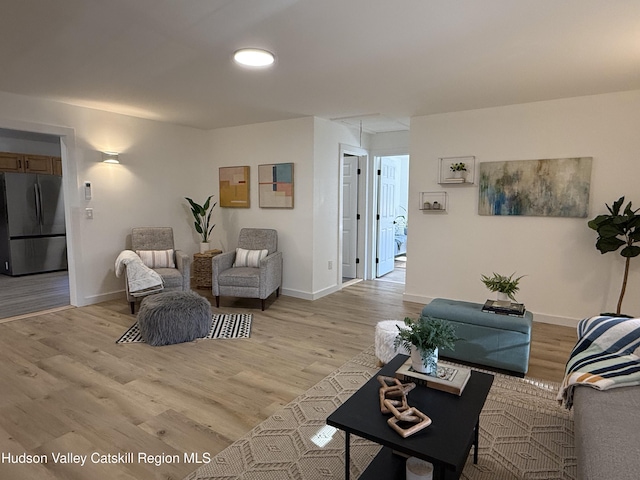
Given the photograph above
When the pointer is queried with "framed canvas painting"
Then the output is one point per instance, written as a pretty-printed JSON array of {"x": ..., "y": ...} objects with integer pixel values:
[
  {"x": 234, "y": 187},
  {"x": 275, "y": 185},
  {"x": 557, "y": 187}
]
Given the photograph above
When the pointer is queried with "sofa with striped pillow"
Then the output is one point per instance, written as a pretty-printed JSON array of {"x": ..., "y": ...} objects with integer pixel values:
[{"x": 602, "y": 384}]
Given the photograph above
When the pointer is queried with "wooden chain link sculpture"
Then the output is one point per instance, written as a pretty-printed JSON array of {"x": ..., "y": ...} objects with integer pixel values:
[{"x": 393, "y": 400}]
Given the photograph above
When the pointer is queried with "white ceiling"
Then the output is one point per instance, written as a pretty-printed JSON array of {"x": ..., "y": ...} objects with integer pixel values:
[{"x": 375, "y": 61}]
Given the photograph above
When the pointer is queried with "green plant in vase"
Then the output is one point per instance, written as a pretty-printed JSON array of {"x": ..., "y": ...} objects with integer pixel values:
[
  {"x": 423, "y": 338},
  {"x": 458, "y": 167},
  {"x": 506, "y": 287},
  {"x": 202, "y": 217}
]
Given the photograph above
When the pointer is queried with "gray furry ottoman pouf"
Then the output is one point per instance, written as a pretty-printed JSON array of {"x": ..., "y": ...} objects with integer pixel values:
[{"x": 174, "y": 317}]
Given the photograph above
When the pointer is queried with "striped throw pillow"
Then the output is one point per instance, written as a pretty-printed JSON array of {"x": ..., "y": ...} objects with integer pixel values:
[
  {"x": 157, "y": 258},
  {"x": 249, "y": 258}
]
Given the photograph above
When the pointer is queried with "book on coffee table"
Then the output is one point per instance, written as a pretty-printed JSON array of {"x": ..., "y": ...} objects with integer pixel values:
[
  {"x": 451, "y": 379},
  {"x": 513, "y": 309}
]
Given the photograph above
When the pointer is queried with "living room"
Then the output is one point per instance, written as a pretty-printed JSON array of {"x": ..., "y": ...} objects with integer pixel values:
[
  {"x": 161, "y": 163},
  {"x": 155, "y": 175},
  {"x": 164, "y": 159}
]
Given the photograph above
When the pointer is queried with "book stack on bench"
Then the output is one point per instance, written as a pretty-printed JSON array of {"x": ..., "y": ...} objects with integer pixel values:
[{"x": 513, "y": 309}]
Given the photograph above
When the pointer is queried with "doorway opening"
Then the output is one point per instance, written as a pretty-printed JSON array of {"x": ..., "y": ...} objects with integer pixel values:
[
  {"x": 354, "y": 215},
  {"x": 392, "y": 219},
  {"x": 34, "y": 272},
  {"x": 350, "y": 166}
]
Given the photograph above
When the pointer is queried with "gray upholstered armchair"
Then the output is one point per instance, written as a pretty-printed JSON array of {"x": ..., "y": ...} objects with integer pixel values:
[
  {"x": 253, "y": 270},
  {"x": 157, "y": 240}
]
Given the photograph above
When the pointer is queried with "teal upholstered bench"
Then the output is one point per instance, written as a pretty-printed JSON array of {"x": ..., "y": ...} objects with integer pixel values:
[{"x": 489, "y": 339}]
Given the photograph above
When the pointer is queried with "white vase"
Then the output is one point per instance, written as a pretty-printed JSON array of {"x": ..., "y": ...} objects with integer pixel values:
[
  {"x": 503, "y": 299},
  {"x": 431, "y": 367},
  {"x": 204, "y": 246}
]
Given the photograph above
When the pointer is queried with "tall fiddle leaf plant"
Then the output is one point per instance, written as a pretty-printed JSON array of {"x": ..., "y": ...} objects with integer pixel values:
[
  {"x": 620, "y": 228},
  {"x": 202, "y": 216}
]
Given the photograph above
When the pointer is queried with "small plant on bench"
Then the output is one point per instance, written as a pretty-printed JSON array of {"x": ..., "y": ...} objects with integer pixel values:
[{"x": 507, "y": 286}]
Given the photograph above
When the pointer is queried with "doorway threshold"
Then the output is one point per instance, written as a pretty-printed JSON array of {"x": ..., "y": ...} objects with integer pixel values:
[
  {"x": 35, "y": 314},
  {"x": 351, "y": 281}
]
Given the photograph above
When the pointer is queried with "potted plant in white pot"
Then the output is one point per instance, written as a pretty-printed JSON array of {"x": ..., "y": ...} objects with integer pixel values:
[
  {"x": 423, "y": 338},
  {"x": 459, "y": 170},
  {"x": 505, "y": 287},
  {"x": 202, "y": 216}
]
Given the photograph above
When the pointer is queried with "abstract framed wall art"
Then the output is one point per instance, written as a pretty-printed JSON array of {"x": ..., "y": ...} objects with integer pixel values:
[
  {"x": 234, "y": 187},
  {"x": 275, "y": 185},
  {"x": 557, "y": 187}
]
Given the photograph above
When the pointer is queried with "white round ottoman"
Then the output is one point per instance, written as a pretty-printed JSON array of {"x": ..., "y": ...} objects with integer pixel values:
[{"x": 386, "y": 332}]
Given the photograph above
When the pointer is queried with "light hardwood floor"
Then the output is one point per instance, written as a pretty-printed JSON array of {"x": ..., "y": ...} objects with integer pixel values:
[
  {"x": 33, "y": 293},
  {"x": 65, "y": 386}
]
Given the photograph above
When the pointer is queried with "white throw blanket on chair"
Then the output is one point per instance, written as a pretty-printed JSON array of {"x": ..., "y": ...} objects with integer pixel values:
[{"x": 141, "y": 279}]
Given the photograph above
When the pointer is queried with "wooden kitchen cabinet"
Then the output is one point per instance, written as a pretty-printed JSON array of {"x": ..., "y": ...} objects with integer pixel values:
[
  {"x": 23, "y": 163},
  {"x": 56, "y": 164},
  {"x": 38, "y": 164},
  {"x": 11, "y": 162}
]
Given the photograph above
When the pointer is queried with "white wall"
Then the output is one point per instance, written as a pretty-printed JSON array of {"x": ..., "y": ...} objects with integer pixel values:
[
  {"x": 327, "y": 207},
  {"x": 272, "y": 142},
  {"x": 390, "y": 143},
  {"x": 161, "y": 164},
  {"x": 308, "y": 233},
  {"x": 567, "y": 278}
]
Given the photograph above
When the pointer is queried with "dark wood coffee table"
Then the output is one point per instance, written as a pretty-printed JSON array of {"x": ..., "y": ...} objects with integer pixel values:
[{"x": 445, "y": 443}]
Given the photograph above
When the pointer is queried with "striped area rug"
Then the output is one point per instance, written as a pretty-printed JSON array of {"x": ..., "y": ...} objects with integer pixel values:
[{"x": 227, "y": 325}]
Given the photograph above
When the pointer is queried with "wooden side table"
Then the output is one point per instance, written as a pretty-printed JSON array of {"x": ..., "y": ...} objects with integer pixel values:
[{"x": 202, "y": 267}]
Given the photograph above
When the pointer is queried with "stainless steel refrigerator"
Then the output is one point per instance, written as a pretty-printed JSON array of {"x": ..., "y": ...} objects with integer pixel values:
[{"x": 32, "y": 230}]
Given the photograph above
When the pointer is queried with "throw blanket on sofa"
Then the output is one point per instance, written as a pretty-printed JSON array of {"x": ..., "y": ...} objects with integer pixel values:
[
  {"x": 141, "y": 280},
  {"x": 605, "y": 356}
]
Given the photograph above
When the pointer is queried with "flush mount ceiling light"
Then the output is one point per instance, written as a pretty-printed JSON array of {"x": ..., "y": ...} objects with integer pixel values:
[
  {"x": 254, "y": 57},
  {"x": 110, "y": 157}
]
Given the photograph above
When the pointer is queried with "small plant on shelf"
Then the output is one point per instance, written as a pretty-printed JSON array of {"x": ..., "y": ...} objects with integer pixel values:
[
  {"x": 508, "y": 286},
  {"x": 458, "y": 167}
]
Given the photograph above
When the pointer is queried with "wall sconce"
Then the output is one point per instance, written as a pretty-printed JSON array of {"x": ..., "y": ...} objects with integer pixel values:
[{"x": 110, "y": 157}]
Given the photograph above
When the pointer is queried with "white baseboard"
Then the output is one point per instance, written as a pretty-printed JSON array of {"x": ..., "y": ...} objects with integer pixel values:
[
  {"x": 296, "y": 294},
  {"x": 555, "y": 320},
  {"x": 537, "y": 317},
  {"x": 103, "y": 297},
  {"x": 416, "y": 298},
  {"x": 309, "y": 296},
  {"x": 120, "y": 294}
]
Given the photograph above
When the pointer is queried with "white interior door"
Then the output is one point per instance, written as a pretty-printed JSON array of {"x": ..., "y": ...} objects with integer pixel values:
[
  {"x": 349, "y": 215},
  {"x": 386, "y": 210}
]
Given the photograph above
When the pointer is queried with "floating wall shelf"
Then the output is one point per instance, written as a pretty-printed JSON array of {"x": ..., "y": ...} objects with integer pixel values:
[
  {"x": 448, "y": 177},
  {"x": 433, "y": 202}
]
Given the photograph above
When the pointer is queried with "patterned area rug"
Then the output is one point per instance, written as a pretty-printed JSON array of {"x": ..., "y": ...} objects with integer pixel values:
[
  {"x": 234, "y": 325},
  {"x": 524, "y": 434}
]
